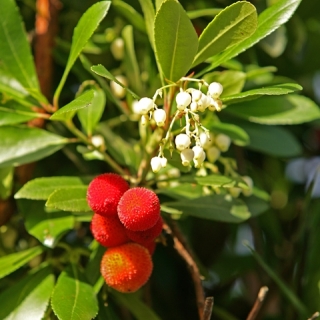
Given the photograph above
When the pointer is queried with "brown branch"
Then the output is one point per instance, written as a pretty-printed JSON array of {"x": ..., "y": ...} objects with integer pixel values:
[
  {"x": 192, "y": 266},
  {"x": 258, "y": 303},
  {"x": 314, "y": 316},
  {"x": 207, "y": 311}
]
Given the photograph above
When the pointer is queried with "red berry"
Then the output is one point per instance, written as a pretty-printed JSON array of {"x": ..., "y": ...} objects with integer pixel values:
[
  {"x": 150, "y": 245},
  {"x": 104, "y": 193},
  {"x": 147, "y": 235},
  {"x": 139, "y": 209},
  {"x": 108, "y": 231},
  {"x": 126, "y": 268}
]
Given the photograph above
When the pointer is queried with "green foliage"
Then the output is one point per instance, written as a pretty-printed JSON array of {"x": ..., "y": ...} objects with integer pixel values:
[{"x": 50, "y": 263}]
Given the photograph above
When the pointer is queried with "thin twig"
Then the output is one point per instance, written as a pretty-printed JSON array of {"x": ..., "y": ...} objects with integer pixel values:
[
  {"x": 258, "y": 303},
  {"x": 314, "y": 316},
  {"x": 207, "y": 310},
  {"x": 192, "y": 266}
]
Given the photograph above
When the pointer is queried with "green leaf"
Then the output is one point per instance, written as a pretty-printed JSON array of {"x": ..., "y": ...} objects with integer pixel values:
[
  {"x": 15, "y": 52},
  {"x": 130, "y": 14},
  {"x": 122, "y": 151},
  {"x": 275, "y": 43},
  {"x": 134, "y": 304},
  {"x": 211, "y": 12},
  {"x": 275, "y": 141},
  {"x": 232, "y": 81},
  {"x": 14, "y": 261},
  {"x": 92, "y": 270},
  {"x": 88, "y": 23},
  {"x": 103, "y": 72},
  {"x": 28, "y": 299},
  {"x": 90, "y": 117},
  {"x": 68, "y": 111},
  {"x": 213, "y": 207},
  {"x": 231, "y": 26},
  {"x": 11, "y": 86},
  {"x": 69, "y": 199},
  {"x": 183, "y": 191},
  {"x": 73, "y": 298},
  {"x": 218, "y": 180},
  {"x": 21, "y": 145},
  {"x": 256, "y": 206},
  {"x": 148, "y": 12},
  {"x": 45, "y": 225},
  {"x": 276, "y": 90},
  {"x": 6, "y": 182},
  {"x": 236, "y": 133},
  {"x": 176, "y": 41},
  {"x": 268, "y": 21},
  {"x": 15, "y": 115},
  {"x": 130, "y": 60},
  {"x": 174, "y": 160},
  {"x": 290, "y": 109},
  {"x": 287, "y": 292},
  {"x": 41, "y": 188}
]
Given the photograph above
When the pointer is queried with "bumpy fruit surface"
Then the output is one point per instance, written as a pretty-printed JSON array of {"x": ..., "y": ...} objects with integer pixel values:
[
  {"x": 146, "y": 236},
  {"x": 108, "y": 231},
  {"x": 126, "y": 268},
  {"x": 139, "y": 209},
  {"x": 104, "y": 193}
]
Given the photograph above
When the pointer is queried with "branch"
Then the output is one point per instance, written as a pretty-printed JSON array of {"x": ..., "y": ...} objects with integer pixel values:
[
  {"x": 314, "y": 316},
  {"x": 258, "y": 303},
  {"x": 181, "y": 248},
  {"x": 207, "y": 311}
]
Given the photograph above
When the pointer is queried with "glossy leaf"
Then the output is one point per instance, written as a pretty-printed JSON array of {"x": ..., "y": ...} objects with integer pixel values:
[
  {"x": 149, "y": 13},
  {"x": 130, "y": 60},
  {"x": 276, "y": 90},
  {"x": 218, "y": 180},
  {"x": 21, "y": 145},
  {"x": 15, "y": 52},
  {"x": 135, "y": 305},
  {"x": 41, "y": 188},
  {"x": 275, "y": 141},
  {"x": 28, "y": 298},
  {"x": 231, "y": 26},
  {"x": 90, "y": 117},
  {"x": 213, "y": 207},
  {"x": 67, "y": 112},
  {"x": 15, "y": 115},
  {"x": 275, "y": 43},
  {"x": 232, "y": 81},
  {"x": 45, "y": 225},
  {"x": 103, "y": 72},
  {"x": 88, "y": 23},
  {"x": 11, "y": 86},
  {"x": 69, "y": 199},
  {"x": 6, "y": 182},
  {"x": 236, "y": 133},
  {"x": 268, "y": 21},
  {"x": 73, "y": 298},
  {"x": 14, "y": 261},
  {"x": 290, "y": 109},
  {"x": 183, "y": 191},
  {"x": 176, "y": 41},
  {"x": 130, "y": 14}
]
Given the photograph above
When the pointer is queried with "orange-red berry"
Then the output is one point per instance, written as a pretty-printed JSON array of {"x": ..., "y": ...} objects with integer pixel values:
[
  {"x": 146, "y": 235},
  {"x": 104, "y": 193},
  {"x": 108, "y": 230},
  {"x": 126, "y": 268},
  {"x": 150, "y": 245},
  {"x": 139, "y": 209}
]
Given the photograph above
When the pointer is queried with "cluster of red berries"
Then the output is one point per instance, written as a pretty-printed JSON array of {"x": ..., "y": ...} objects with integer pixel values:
[{"x": 127, "y": 221}]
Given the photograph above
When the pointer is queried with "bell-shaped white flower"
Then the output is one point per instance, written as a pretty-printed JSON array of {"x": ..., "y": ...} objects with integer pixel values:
[
  {"x": 186, "y": 156},
  {"x": 97, "y": 141},
  {"x": 222, "y": 141},
  {"x": 194, "y": 106},
  {"x": 198, "y": 152},
  {"x": 215, "y": 89},
  {"x": 213, "y": 153},
  {"x": 199, "y": 160},
  {"x": 249, "y": 182},
  {"x": 164, "y": 162},
  {"x": 182, "y": 141},
  {"x": 159, "y": 116},
  {"x": 156, "y": 164},
  {"x": 145, "y": 105},
  {"x": 196, "y": 95},
  {"x": 215, "y": 104},
  {"x": 206, "y": 140},
  {"x": 117, "y": 48},
  {"x": 183, "y": 99},
  {"x": 203, "y": 103},
  {"x": 118, "y": 90}
]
